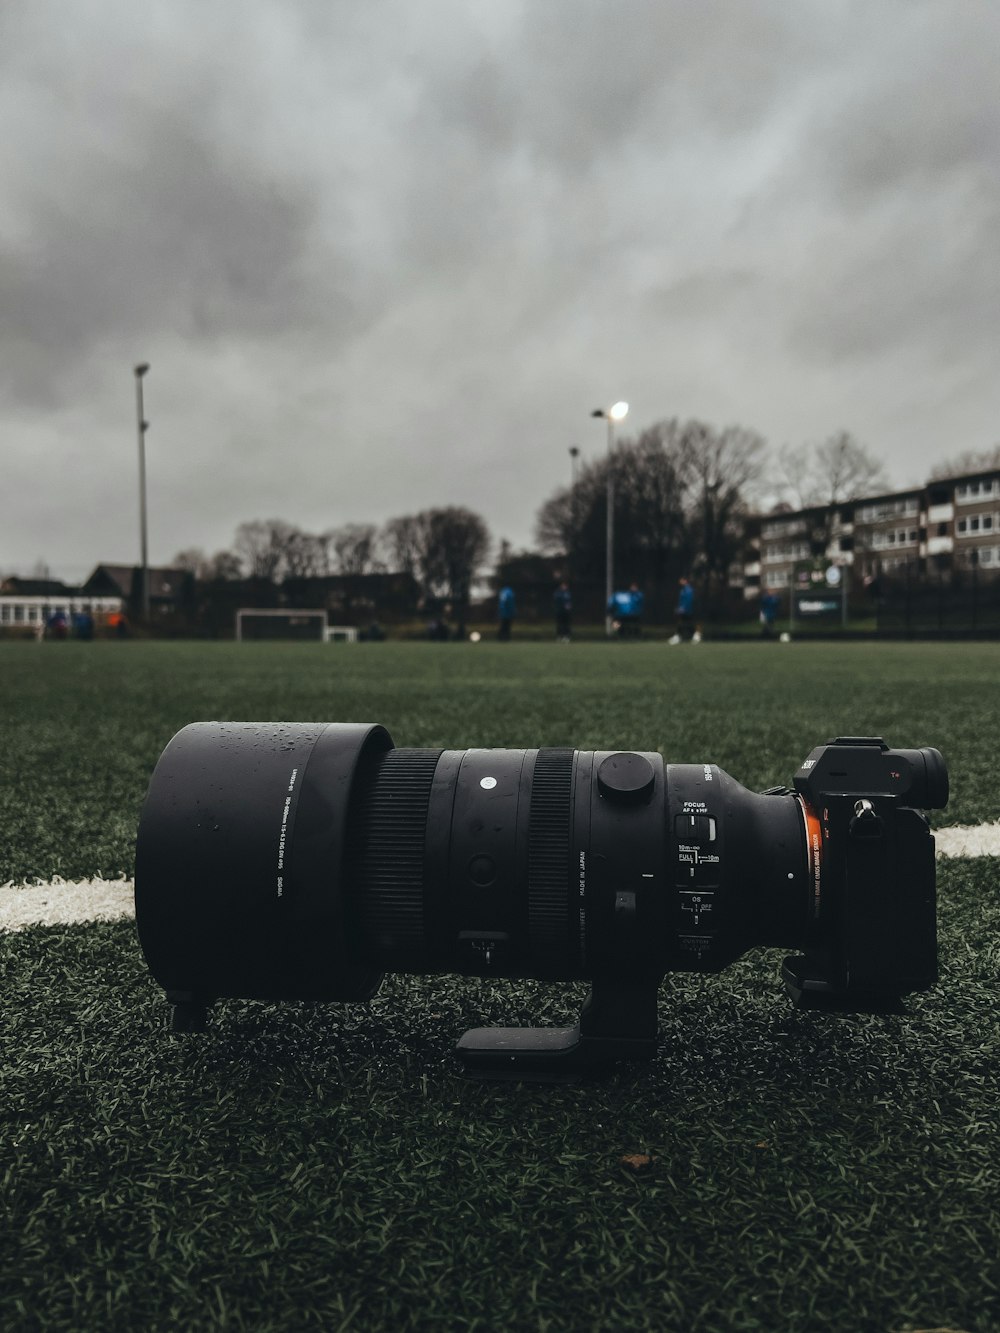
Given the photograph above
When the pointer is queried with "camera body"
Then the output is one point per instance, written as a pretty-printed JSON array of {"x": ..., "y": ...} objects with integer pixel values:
[
  {"x": 878, "y": 912},
  {"x": 302, "y": 861}
]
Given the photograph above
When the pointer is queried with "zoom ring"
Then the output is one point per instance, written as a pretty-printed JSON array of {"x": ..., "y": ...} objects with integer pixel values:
[
  {"x": 393, "y": 823},
  {"x": 548, "y": 861}
]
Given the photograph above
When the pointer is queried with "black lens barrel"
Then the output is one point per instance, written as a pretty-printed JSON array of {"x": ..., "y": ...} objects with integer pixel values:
[
  {"x": 302, "y": 861},
  {"x": 505, "y": 862}
]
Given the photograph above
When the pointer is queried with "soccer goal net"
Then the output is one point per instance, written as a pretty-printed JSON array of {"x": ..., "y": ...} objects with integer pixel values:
[{"x": 253, "y": 623}]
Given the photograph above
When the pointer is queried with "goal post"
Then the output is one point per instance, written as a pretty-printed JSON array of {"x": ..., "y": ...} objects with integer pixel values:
[{"x": 254, "y": 624}]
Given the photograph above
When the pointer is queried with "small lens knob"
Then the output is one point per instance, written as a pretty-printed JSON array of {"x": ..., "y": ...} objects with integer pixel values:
[{"x": 626, "y": 778}]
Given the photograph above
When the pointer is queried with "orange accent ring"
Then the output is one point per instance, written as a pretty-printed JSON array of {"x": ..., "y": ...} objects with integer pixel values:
[{"x": 814, "y": 855}]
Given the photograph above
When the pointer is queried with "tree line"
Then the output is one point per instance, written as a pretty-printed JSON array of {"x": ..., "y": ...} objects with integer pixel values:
[
  {"x": 682, "y": 493},
  {"x": 441, "y": 549}
]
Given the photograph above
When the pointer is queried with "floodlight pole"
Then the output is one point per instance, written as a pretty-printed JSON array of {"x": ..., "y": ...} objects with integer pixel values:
[
  {"x": 611, "y": 415},
  {"x": 609, "y": 539},
  {"x": 142, "y": 426}
]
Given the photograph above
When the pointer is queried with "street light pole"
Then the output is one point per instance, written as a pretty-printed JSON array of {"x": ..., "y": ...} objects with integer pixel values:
[
  {"x": 142, "y": 427},
  {"x": 574, "y": 455},
  {"x": 612, "y": 414}
]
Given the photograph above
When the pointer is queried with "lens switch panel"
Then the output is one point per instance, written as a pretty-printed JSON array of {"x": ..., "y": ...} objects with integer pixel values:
[{"x": 699, "y": 829}]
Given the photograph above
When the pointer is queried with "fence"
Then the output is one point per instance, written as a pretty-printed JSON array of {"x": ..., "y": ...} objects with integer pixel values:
[{"x": 954, "y": 607}]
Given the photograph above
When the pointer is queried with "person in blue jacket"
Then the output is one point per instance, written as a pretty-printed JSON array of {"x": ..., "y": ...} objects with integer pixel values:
[
  {"x": 769, "y": 604},
  {"x": 505, "y": 611},
  {"x": 626, "y": 609},
  {"x": 685, "y": 610}
]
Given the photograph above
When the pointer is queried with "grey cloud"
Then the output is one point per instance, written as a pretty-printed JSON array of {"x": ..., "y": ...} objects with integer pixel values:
[
  {"x": 907, "y": 174},
  {"x": 578, "y": 80},
  {"x": 387, "y": 255},
  {"x": 171, "y": 239},
  {"x": 873, "y": 295},
  {"x": 927, "y": 115},
  {"x": 145, "y": 204}
]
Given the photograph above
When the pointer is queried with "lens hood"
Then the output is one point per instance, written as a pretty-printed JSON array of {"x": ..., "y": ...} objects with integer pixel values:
[{"x": 239, "y": 860}]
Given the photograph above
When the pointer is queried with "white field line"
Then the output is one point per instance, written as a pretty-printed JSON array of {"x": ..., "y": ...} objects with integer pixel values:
[
  {"x": 968, "y": 840},
  {"x": 64, "y": 902}
]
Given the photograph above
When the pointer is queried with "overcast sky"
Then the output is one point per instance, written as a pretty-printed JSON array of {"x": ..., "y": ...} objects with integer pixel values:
[{"x": 389, "y": 254}]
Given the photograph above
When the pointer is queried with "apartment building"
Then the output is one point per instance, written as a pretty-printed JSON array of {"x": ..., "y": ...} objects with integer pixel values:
[
  {"x": 784, "y": 541},
  {"x": 950, "y": 525},
  {"x": 889, "y": 533},
  {"x": 975, "y": 521}
]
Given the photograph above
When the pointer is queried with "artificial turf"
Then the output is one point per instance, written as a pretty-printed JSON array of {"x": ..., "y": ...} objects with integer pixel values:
[
  {"x": 81, "y": 725},
  {"x": 327, "y": 1166}
]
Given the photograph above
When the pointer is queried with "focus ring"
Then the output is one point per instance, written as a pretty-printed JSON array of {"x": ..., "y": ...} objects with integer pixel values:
[
  {"x": 548, "y": 861},
  {"x": 390, "y": 834}
]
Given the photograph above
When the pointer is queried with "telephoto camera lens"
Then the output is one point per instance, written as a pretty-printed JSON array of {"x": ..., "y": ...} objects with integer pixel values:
[{"x": 283, "y": 861}]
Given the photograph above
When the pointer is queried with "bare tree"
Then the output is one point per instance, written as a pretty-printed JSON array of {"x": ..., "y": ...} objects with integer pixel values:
[
  {"x": 304, "y": 556},
  {"x": 650, "y": 485},
  {"x": 354, "y": 546},
  {"x": 224, "y": 567},
  {"x": 970, "y": 460},
  {"x": 557, "y": 522},
  {"x": 402, "y": 539},
  {"x": 193, "y": 560},
  {"x": 681, "y": 491},
  {"x": 271, "y": 548},
  {"x": 457, "y": 542},
  {"x": 259, "y": 546},
  {"x": 442, "y": 549},
  {"x": 832, "y": 472},
  {"x": 725, "y": 466}
]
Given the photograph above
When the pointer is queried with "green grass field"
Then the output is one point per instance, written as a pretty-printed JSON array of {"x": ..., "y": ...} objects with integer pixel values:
[{"x": 328, "y": 1167}]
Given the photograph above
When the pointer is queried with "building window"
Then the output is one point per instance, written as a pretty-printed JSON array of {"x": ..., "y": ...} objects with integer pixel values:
[
  {"x": 785, "y": 551},
  {"x": 787, "y": 528},
  {"x": 970, "y": 491},
  {"x": 876, "y": 513},
  {"x": 974, "y": 523},
  {"x": 894, "y": 537}
]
